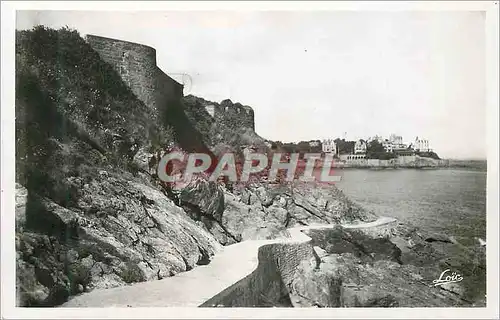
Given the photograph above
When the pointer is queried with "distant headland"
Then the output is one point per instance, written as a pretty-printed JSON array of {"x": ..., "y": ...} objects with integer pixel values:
[{"x": 373, "y": 152}]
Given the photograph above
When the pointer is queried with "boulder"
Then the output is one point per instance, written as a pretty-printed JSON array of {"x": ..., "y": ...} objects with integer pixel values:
[
  {"x": 141, "y": 159},
  {"x": 204, "y": 197},
  {"x": 439, "y": 238},
  {"x": 339, "y": 240},
  {"x": 122, "y": 231},
  {"x": 344, "y": 280}
]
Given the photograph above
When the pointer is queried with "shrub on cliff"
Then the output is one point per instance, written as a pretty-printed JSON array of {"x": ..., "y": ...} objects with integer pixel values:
[
  {"x": 82, "y": 88},
  {"x": 86, "y": 221},
  {"x": 74, "y": 114},
  {"x": 199, "y": 117},
  {"x": 218, "y": 131}
]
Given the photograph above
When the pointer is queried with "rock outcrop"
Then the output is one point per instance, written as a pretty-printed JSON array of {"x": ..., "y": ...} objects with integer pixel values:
[
  {"x": 224, "y": 124},
  {"x": 90, "y": 213},
  {"x": 122, "y": 231},
  {"x": 392, "y": 266},
  {"x": 264, "y": 210}
]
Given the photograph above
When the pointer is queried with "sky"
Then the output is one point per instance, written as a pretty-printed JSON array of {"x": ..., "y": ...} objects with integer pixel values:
[{"x": 320, "y": 74}]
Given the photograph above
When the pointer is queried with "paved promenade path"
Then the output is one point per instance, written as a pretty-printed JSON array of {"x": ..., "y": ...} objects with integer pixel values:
[{"x": 194, "y": 287}]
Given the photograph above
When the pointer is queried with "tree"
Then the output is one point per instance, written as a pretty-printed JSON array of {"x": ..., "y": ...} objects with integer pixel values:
[
  {"x": 344, "y": 147},
  {"x": 375, "y": 150},
  {"x": 374, "y": 147}
]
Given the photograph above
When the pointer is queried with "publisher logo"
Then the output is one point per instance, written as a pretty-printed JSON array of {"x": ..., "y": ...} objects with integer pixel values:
[{"x": 447, "y": 277}]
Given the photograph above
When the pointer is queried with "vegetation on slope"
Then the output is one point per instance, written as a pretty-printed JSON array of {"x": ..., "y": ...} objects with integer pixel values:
[
  {"x": 79, "y": 209},
  {"x": 72, "y": 109},
  {"x": 86, "y": 221}
]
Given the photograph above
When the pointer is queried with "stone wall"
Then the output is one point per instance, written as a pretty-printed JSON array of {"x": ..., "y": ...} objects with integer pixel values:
[
  {"x": 399, "y": 162},
  {"x": 136, "y": 64},
  {"x": 234, "y": 114},
  {"x": 269, "y": 284},
  {"x": 229, "y": 114}
]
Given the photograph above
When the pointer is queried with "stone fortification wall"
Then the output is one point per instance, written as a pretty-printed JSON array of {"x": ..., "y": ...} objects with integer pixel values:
[
  {"x": 136, "y": 64},
  {"x": 228, "y": 114},
  {"x": 231, "y": 114}
]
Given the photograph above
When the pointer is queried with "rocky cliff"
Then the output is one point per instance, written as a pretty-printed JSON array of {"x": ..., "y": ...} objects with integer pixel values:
[
  {"x": 225, "y": 125},
  {"x": 88, "y": 213},
  {"x": 388, "y": 266}
]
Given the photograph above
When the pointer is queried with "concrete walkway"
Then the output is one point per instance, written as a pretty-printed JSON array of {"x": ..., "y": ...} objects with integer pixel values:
[{"x": 194, "y": 287}]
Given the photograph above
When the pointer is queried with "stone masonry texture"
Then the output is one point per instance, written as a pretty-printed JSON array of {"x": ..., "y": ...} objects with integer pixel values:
[{"x": 136, "y": 64}]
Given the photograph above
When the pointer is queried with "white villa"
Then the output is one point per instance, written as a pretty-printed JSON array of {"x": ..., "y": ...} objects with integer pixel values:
[
  {"x": 421, "y": 145},
  {"x": 329, "y": 146},
  {"x": 376, "y": 137},
  {"x": 396, "y": 140},
  {"x": 393, "y": 144},
  {"x": 388, "y": 145},
  {"x": 360, "y": 147}
]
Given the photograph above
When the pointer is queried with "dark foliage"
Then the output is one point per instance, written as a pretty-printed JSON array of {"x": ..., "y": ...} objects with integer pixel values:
[
  {"x": 80, "y": 87},
  {"x": 301, "y": 147},
  {"x": 430, "y": 154},
  {"x": 199, "y": 117},
  {"x": 375, "y": 150}
]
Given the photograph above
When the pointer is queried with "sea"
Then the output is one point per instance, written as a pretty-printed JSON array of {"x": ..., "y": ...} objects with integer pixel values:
[
  {"x": 445, "y": 200},
  {"x": 449, "y": 201}
]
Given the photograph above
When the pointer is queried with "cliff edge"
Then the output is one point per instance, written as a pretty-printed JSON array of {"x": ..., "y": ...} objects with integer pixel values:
[
  {"x": 89, "y": 215},
  {"x": 90, "y": 114}
]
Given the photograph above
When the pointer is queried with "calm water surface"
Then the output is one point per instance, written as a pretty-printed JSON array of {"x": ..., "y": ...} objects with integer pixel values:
[{"x": 450, "y": 201}]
